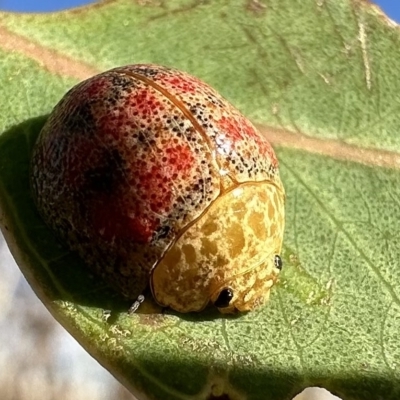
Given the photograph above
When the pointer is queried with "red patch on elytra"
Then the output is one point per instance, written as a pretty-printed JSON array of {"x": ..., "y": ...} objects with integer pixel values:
[
  {"x": 183, "y": 83},
  {"x": 231, "y": 128},
  {"x": 239, "y": 129},
  {"x": 116, "y": 215},
  {"x": 145, "y": 103},
  {"x": 154, "y": 178}
]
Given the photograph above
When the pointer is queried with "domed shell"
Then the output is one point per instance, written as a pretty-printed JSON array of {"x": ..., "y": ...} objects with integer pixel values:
[{"x": 135, "y": 159}]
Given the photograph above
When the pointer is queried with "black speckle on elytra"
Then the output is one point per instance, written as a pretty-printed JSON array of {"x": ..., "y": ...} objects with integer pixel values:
[
  {"x": 80, "y": 120},
  {"x": 161, "y": 233},
  {"x": 107, "y": 174}
]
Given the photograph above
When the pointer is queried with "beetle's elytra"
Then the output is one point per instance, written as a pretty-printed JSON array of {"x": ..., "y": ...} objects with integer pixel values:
[{"x": 155, "y": 179}]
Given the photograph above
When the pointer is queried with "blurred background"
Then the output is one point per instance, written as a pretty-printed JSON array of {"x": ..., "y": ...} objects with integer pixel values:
[{"x": 39, "y": 360}]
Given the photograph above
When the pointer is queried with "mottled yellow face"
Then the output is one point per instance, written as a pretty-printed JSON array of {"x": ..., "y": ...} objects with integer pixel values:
[{"x": 229, "y": 256}]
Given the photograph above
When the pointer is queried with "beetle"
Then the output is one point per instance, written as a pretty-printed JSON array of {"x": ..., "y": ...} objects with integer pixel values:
[{"x": 156, "y": 180}]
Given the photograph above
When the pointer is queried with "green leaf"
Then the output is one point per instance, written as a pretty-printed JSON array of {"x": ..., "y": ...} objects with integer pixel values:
[{"x": 320, "y": 79}]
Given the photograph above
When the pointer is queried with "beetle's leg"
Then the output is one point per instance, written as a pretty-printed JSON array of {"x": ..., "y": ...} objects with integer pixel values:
[{"x": 133, "y": 308}]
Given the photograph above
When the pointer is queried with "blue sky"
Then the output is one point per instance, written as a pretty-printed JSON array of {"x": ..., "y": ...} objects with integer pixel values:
[
  {"x": 40, "y": 5},
  {"x": 391, "y": 7}
]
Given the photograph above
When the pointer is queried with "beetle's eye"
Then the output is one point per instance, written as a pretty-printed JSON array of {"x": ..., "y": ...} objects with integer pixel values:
[
  {"x": 278, "y": 262},
  {"x": 224, "y": 298}
]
